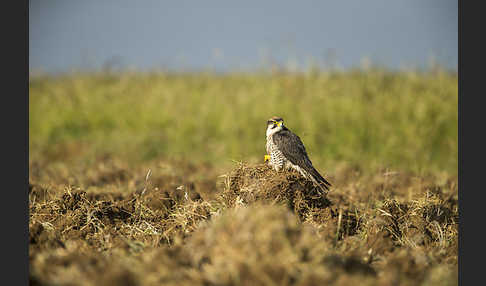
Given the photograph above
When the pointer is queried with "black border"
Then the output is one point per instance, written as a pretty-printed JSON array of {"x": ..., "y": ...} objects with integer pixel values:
[
  {"x": 15, "y": 87},
  {"x": 471, "y": 171}
]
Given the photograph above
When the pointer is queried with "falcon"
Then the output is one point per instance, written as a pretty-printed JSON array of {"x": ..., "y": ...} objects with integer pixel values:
[{"x": 286, "y": 151}]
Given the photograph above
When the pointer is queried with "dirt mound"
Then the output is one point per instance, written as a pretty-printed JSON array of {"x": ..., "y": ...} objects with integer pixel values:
[
  {"x": 428, "y": 221},
  {"x": 153, "y": 218},
  {"x": 266, "y": 245},
  {"x": 248, "y": 184}
]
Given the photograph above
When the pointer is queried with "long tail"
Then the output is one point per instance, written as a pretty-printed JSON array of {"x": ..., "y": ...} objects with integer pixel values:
[{"x": 319, "y": 180}]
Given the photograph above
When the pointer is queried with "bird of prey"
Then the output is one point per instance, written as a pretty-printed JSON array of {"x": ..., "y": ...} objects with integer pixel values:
[{"x": 286, "y": 151}]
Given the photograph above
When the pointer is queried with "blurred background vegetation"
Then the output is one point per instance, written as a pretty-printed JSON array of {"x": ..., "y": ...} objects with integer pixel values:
[{"x": 374, "y": 118}]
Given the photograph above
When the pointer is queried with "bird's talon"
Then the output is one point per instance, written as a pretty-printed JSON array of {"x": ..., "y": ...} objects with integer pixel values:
[{"x": 266, "y": 158}]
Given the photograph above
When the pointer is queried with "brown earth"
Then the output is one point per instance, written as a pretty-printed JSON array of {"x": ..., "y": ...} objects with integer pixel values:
[{"x": 174, "y": 223}]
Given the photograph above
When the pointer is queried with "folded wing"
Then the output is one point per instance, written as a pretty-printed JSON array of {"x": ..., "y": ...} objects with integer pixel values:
[{"x": 293, "y": 149}]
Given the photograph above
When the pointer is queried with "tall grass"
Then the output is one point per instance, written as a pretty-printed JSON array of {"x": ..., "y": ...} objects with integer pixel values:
[{"x": 371, "y": 119}]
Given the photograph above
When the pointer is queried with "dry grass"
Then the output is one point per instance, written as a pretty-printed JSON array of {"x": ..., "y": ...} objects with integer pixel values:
[
  {"x": 251, "y": 226},
  {"x": 258, "y": 183}
]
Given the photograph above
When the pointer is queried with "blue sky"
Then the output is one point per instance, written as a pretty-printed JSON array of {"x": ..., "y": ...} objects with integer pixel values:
[{"x": 236, "y": 35}]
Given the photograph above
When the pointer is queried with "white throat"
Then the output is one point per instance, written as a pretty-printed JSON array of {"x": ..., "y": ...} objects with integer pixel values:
[{"x": 271, "y": 131}]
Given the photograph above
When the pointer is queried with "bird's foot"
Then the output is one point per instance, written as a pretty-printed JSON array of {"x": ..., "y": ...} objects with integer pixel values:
[{"x": 266, "y": 158}]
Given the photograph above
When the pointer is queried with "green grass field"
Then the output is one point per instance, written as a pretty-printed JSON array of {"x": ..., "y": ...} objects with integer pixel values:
[{"x": 374, "y": 119}]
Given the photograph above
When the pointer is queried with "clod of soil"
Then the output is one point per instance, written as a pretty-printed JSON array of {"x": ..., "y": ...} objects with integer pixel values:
[{"x": 248, "y": 184}]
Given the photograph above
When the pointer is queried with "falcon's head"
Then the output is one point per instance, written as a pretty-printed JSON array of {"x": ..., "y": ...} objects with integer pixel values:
[{"x": 274, "y": 124}]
